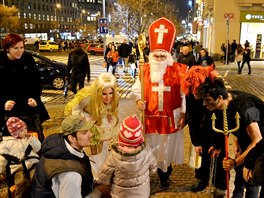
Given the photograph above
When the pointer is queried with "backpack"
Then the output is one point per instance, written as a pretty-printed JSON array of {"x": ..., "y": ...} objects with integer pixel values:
[{"x": 10, "y": 185}]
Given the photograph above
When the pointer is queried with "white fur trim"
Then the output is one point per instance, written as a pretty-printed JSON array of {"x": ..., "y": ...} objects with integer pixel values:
[{"x": 107, "y": 80}]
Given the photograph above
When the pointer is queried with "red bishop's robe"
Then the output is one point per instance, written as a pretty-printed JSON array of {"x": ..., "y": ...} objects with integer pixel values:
[{"x": 159, "y": 114}]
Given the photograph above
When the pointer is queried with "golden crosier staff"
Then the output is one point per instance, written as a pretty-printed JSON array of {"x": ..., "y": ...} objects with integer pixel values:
[
  {"x": 226, "y": 133},
  {"x": 141, "y": 46}
]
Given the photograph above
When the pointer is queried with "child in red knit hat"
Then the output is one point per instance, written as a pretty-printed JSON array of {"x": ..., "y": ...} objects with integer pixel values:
[
  {"x": 129, "y": 163},
  {"x": 24, "y": 148}
]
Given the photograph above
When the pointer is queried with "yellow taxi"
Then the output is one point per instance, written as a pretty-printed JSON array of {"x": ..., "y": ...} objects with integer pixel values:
[{"x": 48, "y": 46}]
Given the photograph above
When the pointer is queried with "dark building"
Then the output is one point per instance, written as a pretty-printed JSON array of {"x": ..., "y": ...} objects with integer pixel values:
[{"x": 60, "y": 19}]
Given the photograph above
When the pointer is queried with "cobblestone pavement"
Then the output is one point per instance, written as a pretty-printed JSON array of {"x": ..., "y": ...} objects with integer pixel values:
[{"x": 183, "y": 175}]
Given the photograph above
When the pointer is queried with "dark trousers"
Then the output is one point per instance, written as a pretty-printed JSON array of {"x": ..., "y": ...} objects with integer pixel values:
[
  {"x": 165, "y": 175},
  {"x": 113, "y": 67},
  {"x": 240, "y": 184},
  {"x": 77, "y": 79},
  {"x": 203, "y": 173},
  {"x": 248, "y": 63},
  {"x": 238, "y": 67}
]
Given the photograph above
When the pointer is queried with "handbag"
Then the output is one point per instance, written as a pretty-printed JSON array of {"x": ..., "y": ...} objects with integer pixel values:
[
  {"x": 104, "y": 64},
  {"x": 239, "y": 58},
  {"x": 109, "y": 60},
  {"x": 258, "y": 171}
]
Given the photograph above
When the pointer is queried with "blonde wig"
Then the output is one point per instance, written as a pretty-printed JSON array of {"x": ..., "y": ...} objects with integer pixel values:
[{"x": 96, "y": 107}]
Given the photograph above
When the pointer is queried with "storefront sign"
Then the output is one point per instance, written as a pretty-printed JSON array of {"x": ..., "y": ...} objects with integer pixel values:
[{"x": 252, "y": 16}]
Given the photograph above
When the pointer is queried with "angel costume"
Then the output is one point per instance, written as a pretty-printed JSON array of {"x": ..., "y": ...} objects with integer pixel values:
[{"x": 86, "y": 104}]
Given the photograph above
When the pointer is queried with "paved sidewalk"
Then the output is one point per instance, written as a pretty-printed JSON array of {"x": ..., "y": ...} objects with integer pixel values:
[{"x": 182, "y": 176}]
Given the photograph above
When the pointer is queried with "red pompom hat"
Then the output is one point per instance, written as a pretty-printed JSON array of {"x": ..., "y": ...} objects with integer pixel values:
[
  {"x": 131, "y": 132},
  {"x": 14, "y": 125},
  {"x": 162, "y": 33}
]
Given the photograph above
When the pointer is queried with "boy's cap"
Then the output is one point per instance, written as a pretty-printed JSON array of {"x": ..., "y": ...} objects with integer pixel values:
[
  {"x": 74, "y": 123},
  {"x": 14, "y": 125}
]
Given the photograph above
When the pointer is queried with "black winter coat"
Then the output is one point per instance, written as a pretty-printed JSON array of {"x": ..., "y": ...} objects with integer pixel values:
[
  {"x": 124, "y": 50},
  {"x": 78, "y": 63},
  {"x": 19, "y": 81},
  {"x": 188, "y": 59}
]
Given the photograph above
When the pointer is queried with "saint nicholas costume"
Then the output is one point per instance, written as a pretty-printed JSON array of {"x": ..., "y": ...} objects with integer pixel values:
[{"x": 164, "y": 102}]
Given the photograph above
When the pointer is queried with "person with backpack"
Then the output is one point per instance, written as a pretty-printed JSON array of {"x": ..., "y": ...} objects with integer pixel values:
[
  {"x": 18, "y": 156},
  {"x": 132, "y": 60}
]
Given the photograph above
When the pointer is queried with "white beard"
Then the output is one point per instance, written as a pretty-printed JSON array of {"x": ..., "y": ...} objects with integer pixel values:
[{"x": 158, "y": 68}]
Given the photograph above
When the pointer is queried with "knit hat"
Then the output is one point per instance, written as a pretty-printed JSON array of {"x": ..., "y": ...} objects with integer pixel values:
[
  {"x": 74, "y": 123},
  {"x": 131, "y": 132},
  {"x": 14, "y": 125}
]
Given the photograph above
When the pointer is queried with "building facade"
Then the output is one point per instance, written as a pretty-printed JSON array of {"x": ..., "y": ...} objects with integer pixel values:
[
  {"x": 54, "y": 19},
  {"x": 219, "y": 21}
]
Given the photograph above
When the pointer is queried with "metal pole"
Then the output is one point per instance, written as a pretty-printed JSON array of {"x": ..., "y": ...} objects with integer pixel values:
[
  {"x": 104, "y": 17},
  {"x": 3, "y": 2},
  {"x": 227, "y": 39},
  {"x": 103, "y": 8}
]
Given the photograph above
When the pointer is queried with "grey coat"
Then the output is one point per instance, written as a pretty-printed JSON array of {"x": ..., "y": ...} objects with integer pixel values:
[{"x": 128, "y": 173}]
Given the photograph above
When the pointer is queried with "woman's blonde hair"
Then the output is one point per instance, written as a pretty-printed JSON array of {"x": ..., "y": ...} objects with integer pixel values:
[{"x": 96, "y": 108}]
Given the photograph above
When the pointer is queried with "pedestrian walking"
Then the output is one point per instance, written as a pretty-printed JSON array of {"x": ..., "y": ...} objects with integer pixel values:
[
  {"x": 112, "y": 59},
  {"x": 132, "y": 61},
  {"x": 107, "y": 49},
  {"x": 223, "y": 52},
  {"x": 164, "y": 110},
  {"x": 20, "y": 85},
  {"x": 64, "y": 170},
  {"x": 234, "y": 49},
  {"x": 251, "y": 110},
  {"x": 19, "y": 153},
  {"x": 124, "y": 51},
  {"x": 98, "y": 102},
  {"x": 197, "y": 50},
  {"x": 239, "y": 57},
  {"x": 129, "y": 163},
  {"x": 186, "y": 57},
  {"x": 246, "y": 59},
  {"x": 204, "y": 59},
  {"x": 78, "y": 67}
]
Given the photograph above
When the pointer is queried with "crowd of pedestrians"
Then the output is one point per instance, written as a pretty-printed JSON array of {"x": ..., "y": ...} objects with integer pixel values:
[{"x": 177, "y": 94}]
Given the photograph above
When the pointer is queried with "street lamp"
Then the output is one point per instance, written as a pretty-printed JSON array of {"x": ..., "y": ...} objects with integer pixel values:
[
  {"x": 58, "y": 6},
  {"x": 81, "y": 16}
]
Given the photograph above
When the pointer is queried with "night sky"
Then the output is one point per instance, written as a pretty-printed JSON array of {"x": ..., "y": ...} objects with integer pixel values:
[{"x": 183, "y": 7}]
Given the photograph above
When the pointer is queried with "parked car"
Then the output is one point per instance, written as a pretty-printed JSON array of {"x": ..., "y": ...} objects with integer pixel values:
[
  {"x": 48, "y": 46},
  {"x": 52, "y": 73},
  {"x": 95, "y": 48}
]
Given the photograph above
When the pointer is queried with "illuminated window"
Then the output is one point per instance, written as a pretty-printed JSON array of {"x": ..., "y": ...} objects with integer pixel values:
[
  {"x": 25, "y": 15},
  {"x": 34, "y": 16},
  {"x": 31, "y": 26},
  {"x": 29, "y": 15},
  {"x": 48, "y": 18},
  {"x": 39, "y": 17},
  {"x": 25, "y": 26}
]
